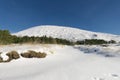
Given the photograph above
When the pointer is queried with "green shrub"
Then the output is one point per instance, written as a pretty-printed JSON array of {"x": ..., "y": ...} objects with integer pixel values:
[
  {"x": 112, "y": 42},
  {"x": 5, "y": 37},
  {"x": 92, "y": 42}
]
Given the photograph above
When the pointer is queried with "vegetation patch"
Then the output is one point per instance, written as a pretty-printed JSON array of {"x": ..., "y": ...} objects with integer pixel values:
[
  {"x": 1, "y": 59},
  {"x": 41, "y": 55},
  {"x": 12, "y": 55},
  {"x": 15, "y": 55},
  {"x": 7, "y": 38},
  {"x": 33, "y": 54}
]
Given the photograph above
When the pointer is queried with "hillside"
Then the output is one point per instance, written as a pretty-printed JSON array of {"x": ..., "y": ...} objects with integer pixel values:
[
  {"x": 72, "y": 34},
  {"x": 60, "y": 61}
]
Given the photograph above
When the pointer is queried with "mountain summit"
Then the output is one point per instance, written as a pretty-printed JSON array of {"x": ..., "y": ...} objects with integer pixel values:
[{"x": 72, "y": 34}]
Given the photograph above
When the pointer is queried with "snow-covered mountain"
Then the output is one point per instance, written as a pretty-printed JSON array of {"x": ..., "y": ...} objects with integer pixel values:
[{"x": 72, "y": 34}]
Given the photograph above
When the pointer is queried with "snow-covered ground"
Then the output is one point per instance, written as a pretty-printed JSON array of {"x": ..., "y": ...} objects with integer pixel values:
[
  {"x": 63, "y": 63},
  {"x": 72, "y": 34}
]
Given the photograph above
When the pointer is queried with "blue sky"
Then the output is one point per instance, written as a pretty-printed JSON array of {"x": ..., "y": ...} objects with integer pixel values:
[{"x": 93, "y": 15}]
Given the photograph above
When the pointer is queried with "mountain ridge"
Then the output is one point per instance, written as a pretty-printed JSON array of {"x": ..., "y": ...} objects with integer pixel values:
[{"x": 69, "y": 33}]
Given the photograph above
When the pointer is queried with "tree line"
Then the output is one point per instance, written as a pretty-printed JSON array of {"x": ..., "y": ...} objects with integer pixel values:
[
  {"x": 95, "y": 42},
  {"x": 7, "y": 38}
]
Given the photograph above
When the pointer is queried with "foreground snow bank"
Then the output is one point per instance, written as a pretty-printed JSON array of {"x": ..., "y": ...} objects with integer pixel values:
[{"x": 62, "y": 63}]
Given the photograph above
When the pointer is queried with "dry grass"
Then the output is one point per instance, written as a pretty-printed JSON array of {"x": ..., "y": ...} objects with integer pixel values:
[
  {"x": 1, "y": 59},
  {"x": 15, "y": 55},
  {"x": 29, "y": 54},
  {"x": 41, "y": 55},
  {"x": 12, "y": 55},
  {"x": 33, "y": 54}
]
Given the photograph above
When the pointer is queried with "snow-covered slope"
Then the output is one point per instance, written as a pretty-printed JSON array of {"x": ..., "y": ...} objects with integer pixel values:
[
  {"x": 68, "y": 33},
  {"x": 65, "y": 63},
  {"x": 79, "y": 62}
]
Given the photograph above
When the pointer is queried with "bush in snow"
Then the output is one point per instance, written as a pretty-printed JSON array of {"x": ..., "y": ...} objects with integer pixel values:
[
  {"x": 41, "y": 55},
  {"x": 29, "y": 54},
  {"x": 112, "y": 42},
  {"x": 12, "y": 55},
  {"x": 92, "y": 42},
  {"x": 33, "y": 54},
  {"x": 1, "y": 59}
]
